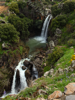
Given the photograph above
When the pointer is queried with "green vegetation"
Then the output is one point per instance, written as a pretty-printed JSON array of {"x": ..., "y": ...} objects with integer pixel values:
[
  {"x": 14, "y": 7},
  {"x": 21, "y": 24},
  {"x": 8, "y": 33}
]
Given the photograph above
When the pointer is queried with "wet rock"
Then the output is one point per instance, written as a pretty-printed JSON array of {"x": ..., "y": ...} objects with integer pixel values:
[
  {"x": 70, "y": 97},
  {"x": 17, "y": 86},
  {"x": 70, "y": 88},
  {"x": 28, "y": 76},
  {"x": 55, "y": 95},
  {"x": 23, "y": 67},
  {"x": 28, "y": 64}
]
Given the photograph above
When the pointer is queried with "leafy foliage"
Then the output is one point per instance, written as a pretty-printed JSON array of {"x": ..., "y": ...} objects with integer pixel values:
[
  {"x": 54, "y": 56},
  {"x": 9, "y": 33},
  {"x": 21, "y": 24},
  {"x": 14, "y": 7}
]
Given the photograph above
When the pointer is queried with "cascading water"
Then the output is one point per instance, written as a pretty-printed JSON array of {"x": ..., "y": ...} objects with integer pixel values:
[
  {"x": 44, "y": 31},
  {"x": 23, "y": 82},
  {"x": 39, "y": 40}
]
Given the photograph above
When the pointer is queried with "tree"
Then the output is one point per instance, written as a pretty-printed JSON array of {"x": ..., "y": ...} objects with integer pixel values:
[
  {"x": 14, "y": 7},
  {"x": 9, "y": 33}
]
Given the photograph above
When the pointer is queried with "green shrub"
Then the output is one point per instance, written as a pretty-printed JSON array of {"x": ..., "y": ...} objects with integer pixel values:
[
  {"x": 14, "y": 7},
  {"x": 8, "y": 0},
  {"x": 2, "y": 15},
  {"x": 55, "y": 10},
  {"x": 59, "y": 22},
  {"x": 21, "y": 24},
  {"x": 22, "y": 5},
  {"x": 55, "y": 55},
  {"x": 71, "y": 42},
  {"x": 9, "y": 33},
  {"x": 68, "y": 7}
]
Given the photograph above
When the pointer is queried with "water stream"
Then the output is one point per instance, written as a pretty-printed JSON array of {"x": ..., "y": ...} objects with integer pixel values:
[{"x": 33, "y": 43}]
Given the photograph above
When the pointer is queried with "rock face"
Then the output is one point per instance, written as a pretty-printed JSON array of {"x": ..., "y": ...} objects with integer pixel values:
[
  {"x": 70, "y": 88},
  {"x": 58, "y": 32},
  {"x": 55, "y": 95}
]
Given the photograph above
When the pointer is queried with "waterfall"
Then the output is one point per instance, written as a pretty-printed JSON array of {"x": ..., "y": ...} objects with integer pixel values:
[
  {"x": 23, "y": 82},
  {"x": 44, "y": 31},
  {"x": 45, "y": 26}
]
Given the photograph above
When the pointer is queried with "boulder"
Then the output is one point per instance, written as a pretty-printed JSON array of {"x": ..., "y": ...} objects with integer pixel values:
[
  {"x": 66, "y": 70},
  {"x": 72, "y": 75},
  {"x": 70, "y": 97},
  {"x": 50, "y": 72},
  {"x": 55, "y": 95},
  {"x": 5, "y": 46},
  {"x": 51, "y": 44},
  {"x": 58, "y": 32},
  {"x": 70, "y": 88},
  {"x": 60, "y": 71},
  {"x": 23, "y": 67},
  {"x": 28, "y": 64}
]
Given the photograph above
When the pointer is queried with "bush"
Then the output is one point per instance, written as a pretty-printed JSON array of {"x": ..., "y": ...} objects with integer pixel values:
[
  {"x": 2, "y": 15},
  {"x": 55, "y": 55},
  {"x": 9, "y": 33},
  {"x": 55, "y": 10},
  {"x": 69, "y": 7},
  {"x": 21, "y": 24},
  {"x": 8, "y": 0},
  {"x": 59, "y": 22},
  {"x": 71, "y": 42},
  {"x": 14, "y": 7},
  {"x": 22, "y": 5}
]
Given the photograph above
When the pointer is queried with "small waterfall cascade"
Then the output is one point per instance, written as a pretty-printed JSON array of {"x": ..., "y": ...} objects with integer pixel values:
[
  {"x": 23, "y": 82},
  {"x": 44, "y": 31},
  {"x": 45, "y": 26}
]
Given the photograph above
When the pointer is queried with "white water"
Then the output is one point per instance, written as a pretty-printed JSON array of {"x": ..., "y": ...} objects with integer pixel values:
[
  {"x": 23, "y": 82},
  {"x": 44, "y": 31}
]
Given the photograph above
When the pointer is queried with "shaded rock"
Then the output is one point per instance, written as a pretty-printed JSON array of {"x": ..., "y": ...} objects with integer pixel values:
[
  {"x": 17, "y": 86},
  {"x": 58, "y": 32},
  {"x": 23, "y": 67},
  {"x": 70, "y": 88},
  {"x": 70, "y": 97},
  {"x": 28, "y": 76},
  {"x": 55, "y": 95},
  {"x": 1, "y": 63},
  {"x": 28, "y": 64}
]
